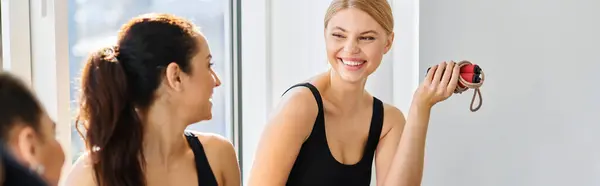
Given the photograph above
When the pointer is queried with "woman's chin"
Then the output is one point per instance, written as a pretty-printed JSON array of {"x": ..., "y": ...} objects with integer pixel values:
[
  {"x": 351, "y": 77},
  {"x": 208, "y": 117}
]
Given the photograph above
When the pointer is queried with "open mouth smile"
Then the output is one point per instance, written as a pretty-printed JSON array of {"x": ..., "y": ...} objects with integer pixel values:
[{"x": 352, "y": 64}]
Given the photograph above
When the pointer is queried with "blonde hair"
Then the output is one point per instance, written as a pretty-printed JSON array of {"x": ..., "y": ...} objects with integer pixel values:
[{"x": 380, "y": 10}]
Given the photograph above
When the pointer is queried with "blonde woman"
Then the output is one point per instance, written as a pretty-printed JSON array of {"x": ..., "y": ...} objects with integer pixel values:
[{"x": 328, "y": 131}]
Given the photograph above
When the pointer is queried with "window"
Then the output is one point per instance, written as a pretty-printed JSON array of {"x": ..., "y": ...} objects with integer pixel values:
[{"x": 94, "y": 24}]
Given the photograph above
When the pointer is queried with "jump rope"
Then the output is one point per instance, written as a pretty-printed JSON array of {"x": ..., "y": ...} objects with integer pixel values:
[{"x": 471, "y": 77}]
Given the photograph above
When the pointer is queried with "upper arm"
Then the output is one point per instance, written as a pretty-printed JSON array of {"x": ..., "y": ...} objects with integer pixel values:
[
  {"x": 389, "y": 142},
  {"x": 229, "y": 164},
  {"x": 221, "y": 157},
  {"x": 288, "y": 127},
  {"x": 82, "y": 173}
]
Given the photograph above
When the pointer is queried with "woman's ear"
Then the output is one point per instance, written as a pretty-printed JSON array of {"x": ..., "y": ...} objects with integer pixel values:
[
  {"x": 173, "y": 76},
  {"x": 24, "y": 145},
  {"x": 389, "y": 42}
]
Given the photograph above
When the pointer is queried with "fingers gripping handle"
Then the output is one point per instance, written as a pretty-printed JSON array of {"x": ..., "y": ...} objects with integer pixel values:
[
  {"x": 470, "y": 73},
  {"x": 471, "y": 77}
]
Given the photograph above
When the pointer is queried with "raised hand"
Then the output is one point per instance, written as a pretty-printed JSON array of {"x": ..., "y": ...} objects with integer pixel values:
[{"x": 439, "y": 84}]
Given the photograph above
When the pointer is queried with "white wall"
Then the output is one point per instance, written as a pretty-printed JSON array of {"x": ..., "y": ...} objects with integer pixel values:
[
  {"x": 538, "y": 125},
  {"x": 283, "y": 44}
]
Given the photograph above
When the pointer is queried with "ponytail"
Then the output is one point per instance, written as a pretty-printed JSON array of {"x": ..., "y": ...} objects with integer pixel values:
[{"x": 113, "y": 131}]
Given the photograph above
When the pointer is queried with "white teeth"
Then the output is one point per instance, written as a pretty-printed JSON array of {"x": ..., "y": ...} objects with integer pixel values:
[{"x": 352, "y": 63}]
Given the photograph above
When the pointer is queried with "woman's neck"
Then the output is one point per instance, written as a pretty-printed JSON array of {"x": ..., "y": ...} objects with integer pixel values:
[
  {"x": 348, "y": 96},
  {"x": 163, "y": 136}
]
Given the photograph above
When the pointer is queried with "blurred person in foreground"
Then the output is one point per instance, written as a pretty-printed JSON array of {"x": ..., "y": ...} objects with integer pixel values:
[{"x": 30, "y": 153}]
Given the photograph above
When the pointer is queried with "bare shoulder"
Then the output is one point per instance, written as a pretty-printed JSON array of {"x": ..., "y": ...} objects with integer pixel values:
[
  {"x": 393, "y": 119},
  {"x": 82, "y": 172},
  {"x": 214, "y": 143},
  {"x": 221, "y": 156},
  {"x": 296, "y": 110},
  {"x": 300, "y": 100},
  {"x": 392, "y": 113},
  {"x": 289, "y": 125}
]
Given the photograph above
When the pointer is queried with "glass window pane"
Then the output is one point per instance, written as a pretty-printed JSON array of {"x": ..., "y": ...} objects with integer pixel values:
[{"x": 94, "y": 24}]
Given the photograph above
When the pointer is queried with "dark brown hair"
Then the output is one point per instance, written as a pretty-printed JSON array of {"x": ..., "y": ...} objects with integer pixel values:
[
  {"x": 118, "y": 80},
  {"x": 17, "y": 103}
]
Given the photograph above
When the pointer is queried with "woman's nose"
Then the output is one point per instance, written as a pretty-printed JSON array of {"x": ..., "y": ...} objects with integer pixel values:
[
  {"x": 351, "y": 47},
  {"x": 216, "y": 79}
]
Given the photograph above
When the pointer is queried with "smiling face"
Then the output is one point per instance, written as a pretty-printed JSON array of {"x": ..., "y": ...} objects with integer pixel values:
[
  {"x": 201, "y": 81},
  {"x": 355, "y": 44},
  {"x": 196, "y": 87}
]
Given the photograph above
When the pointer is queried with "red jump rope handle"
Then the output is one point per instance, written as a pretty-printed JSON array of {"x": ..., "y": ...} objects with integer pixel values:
[
  {"x": 471, "y": 77},
  {"x": 470, "y": 73},
  {"x": 471, "y": 68}
]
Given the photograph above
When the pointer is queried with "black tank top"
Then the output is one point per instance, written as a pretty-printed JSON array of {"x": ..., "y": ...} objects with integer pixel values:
[
  {"x": 316, "y": 166},
  {"x": 205, "y": 173}
]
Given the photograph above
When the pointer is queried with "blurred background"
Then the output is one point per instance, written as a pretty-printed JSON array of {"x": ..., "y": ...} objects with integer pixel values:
[{"x": 540, "y": 120}]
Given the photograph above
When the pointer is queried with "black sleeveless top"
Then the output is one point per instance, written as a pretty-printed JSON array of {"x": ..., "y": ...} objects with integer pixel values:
[
  {"x": 205, "y": 173},
  {"x": 316, "y": 166}
]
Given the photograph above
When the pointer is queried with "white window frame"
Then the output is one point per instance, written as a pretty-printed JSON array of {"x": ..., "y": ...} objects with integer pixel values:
[
  {"x": 405, "y": 52},
  {"x": 16, "y": 53},
  {"x": 232, "y": 80},
  {"x": 48, "y": 20},
  {"x": 234, "y": 17},
  {"x": 256, "y": 86}
]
